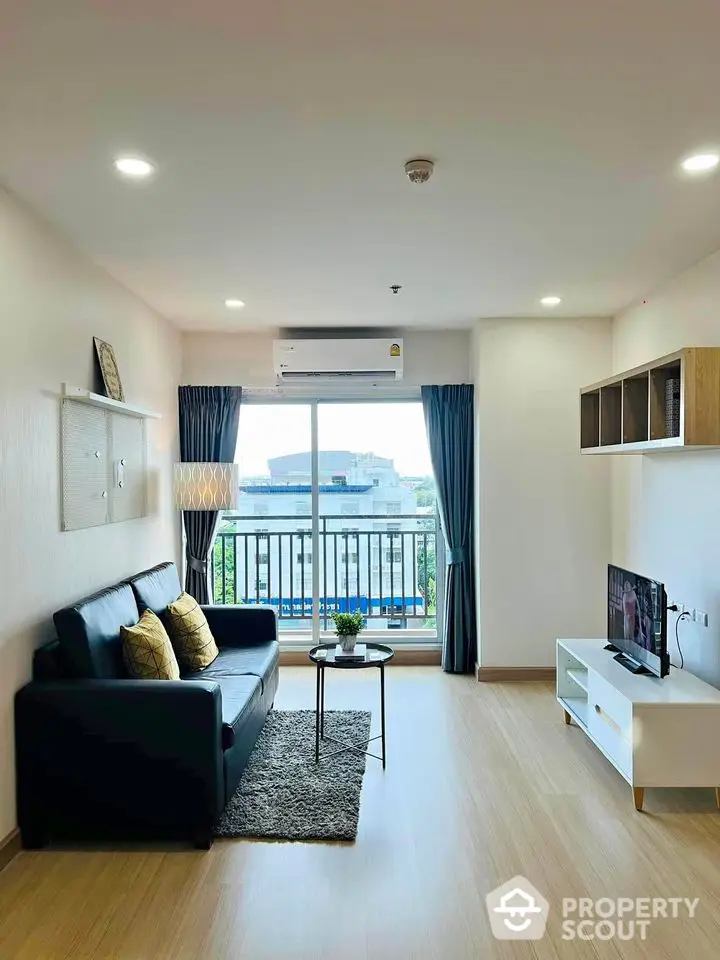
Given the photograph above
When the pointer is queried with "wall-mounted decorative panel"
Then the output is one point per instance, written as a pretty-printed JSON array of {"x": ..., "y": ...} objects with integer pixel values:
[
  {"x": 85, "y": 465},
  {"x": 129, "y": 466},
  {"x": 104, "y": 465}
]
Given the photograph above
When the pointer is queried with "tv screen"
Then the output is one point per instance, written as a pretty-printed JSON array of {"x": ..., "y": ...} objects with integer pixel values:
[{"x": 637, "y": 619}]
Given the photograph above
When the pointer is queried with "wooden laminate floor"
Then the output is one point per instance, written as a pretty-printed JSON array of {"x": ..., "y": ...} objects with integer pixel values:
[{"x": 484, "y": 781}]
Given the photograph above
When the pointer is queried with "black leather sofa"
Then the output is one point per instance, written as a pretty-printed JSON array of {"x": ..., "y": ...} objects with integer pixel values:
[{"x": 103, "y": 757}]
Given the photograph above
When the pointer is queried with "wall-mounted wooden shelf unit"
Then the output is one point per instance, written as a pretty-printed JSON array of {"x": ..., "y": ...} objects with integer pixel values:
[{"x": 672, "y": 403}]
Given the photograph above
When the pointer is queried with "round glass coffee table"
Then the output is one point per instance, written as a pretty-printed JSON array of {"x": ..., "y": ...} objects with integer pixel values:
[{"x": 323, "y": 656}]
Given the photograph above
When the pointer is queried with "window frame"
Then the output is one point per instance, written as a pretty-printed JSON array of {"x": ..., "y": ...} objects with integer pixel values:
[{"x": 408, "y": 638}]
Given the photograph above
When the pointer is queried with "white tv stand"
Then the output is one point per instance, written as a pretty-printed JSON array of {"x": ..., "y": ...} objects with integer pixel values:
[{"x": 656, "y": 733}]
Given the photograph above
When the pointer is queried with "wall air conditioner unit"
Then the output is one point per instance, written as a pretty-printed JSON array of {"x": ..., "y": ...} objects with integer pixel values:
[{"x": 313, "y": 360}]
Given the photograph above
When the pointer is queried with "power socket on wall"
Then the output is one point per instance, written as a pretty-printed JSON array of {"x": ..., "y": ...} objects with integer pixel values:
[
  {"x": 693, "y": 613},
  {"x": 699, "y": 616}
]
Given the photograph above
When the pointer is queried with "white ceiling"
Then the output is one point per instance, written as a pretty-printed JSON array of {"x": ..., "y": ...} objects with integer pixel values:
[{"x": 280, "y": 129}]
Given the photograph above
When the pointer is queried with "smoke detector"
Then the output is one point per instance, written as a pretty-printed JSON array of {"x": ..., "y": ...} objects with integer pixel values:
[{"x": 419, "y": 171}]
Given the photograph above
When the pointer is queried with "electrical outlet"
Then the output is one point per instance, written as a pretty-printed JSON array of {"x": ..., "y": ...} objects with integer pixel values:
[
  {"x": 694, "y": 615},
  {"x": 701, "y": 618}
]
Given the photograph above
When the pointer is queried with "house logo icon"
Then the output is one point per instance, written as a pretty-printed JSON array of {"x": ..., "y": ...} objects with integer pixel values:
[{"x": 517, "y": 911}]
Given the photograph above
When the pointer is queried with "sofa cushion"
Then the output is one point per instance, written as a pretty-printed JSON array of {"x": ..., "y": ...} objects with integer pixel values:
[
  {"x": 259, "y": 661},
  {"x": 89, "y": 632},
  {"x": 190, "y": 634},
  {"x": 239, "y": 696},
  {"x": 147, "y": 651},
  {"x": 156, "y": 588}
]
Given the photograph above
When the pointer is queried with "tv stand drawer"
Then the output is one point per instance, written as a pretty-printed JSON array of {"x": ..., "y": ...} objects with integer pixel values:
[
  {"x": 616, "y": 709},
  {"x": 606, "y": 734}
]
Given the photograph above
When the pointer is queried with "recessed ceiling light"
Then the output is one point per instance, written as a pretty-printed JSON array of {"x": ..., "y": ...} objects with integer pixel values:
[
  {"x": 134, "y": 167},
  {"x": 700, "y": 162},
  {"x": 234, "y": 304},
  {"x": 551, "y": 301}
]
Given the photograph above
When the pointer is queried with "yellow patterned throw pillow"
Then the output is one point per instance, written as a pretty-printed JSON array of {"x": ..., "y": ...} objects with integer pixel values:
[
  {"x": 191, "y": 638},
  {"x": 147, "y": 651}
]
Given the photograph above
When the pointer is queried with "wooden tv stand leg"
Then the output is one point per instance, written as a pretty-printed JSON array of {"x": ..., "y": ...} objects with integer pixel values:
[
  {"x": 717, "y": 796},
  {"x": 638, "y": 797},
  {"x": 568, "y": 721}
]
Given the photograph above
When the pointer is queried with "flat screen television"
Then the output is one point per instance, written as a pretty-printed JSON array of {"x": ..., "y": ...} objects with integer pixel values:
[{"x": 637, "y": 622}]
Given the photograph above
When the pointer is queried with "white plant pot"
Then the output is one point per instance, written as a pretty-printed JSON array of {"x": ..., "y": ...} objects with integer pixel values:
[{"x": 347, "y": 644}]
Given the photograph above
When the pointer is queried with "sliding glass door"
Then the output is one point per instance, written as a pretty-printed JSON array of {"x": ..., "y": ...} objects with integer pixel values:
[{"x": 337, "y": 512}]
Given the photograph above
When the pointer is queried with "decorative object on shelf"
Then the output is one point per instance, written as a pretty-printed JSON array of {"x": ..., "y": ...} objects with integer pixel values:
[
  {"x": 672, "y": 407},
  {"x": 347, "y": 628},
  {"x": 109, "y": 370},
  {"x": 206, "y": 486}
]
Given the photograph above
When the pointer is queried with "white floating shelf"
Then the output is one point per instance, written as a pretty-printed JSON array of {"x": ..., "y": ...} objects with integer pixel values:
[{"x": 106, "y": 403}]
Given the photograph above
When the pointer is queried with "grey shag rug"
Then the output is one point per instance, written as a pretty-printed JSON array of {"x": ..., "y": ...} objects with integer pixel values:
[{"x": 285, "y": 795}]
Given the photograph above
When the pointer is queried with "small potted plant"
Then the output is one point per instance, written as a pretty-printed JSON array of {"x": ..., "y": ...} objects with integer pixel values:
[{"x": 347, "y": 628}]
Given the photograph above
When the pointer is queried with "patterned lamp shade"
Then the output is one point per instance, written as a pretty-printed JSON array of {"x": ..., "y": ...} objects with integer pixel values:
[{"x": 206, "y": 486}]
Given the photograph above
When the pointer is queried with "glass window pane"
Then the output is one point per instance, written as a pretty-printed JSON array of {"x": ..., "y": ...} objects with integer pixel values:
[
  {"x": 374, "y": 465},
  {"x": 271, "y": 563}
]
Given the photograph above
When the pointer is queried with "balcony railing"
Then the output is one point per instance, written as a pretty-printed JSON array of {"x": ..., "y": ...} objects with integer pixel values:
[{"x": 385, "y": 566}]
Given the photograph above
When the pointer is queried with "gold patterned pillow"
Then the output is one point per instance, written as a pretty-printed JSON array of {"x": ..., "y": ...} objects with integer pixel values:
[
  {"x": 147, "y": 651},
  {"x": 191, "y": 638}
]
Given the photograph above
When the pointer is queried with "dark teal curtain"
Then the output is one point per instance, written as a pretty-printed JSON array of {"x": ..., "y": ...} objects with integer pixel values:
[
  {"x": 209, "y": 419},
  {"x": 449, "y": 419}
]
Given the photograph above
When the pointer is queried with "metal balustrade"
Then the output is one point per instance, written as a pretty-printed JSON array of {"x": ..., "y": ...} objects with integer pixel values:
[{"x": 384, "y": 565}]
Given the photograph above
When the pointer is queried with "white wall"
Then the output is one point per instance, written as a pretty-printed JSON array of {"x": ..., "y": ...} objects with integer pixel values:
[
  {"x": 246, "y": 358},
  {"x": 52, "y": 303},
  {"x": 666, "y": 508},
  {"x": 544, "y": 518}
]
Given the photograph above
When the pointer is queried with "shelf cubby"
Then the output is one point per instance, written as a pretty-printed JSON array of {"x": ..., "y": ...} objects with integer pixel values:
[
  {"x": 610, "y": 414},
  {"x": 635, "y": 419},
  {"x": 665, "y": 384},
  {"x": 590, "y": 419}
]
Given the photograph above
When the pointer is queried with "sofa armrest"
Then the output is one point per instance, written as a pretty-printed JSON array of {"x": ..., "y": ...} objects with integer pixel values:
[
  {"x": 240, "y": 625},
  {"x": 115, "y": 758}
]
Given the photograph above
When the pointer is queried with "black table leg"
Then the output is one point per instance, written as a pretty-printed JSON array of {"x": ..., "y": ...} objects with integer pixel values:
[
  {"x": 322, "y": 704},
  {"x": 317, "y": 713},
  {"x": 382, "y": 709}
]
